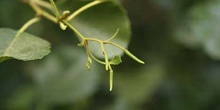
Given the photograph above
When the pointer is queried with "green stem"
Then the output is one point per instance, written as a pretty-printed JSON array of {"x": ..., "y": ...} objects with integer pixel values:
[
  {"x": 116, "y": 45},
  {"x": 105, "y": 55},
  {"x": 55, "y": 10},
  {"x": 94, "y": 39},
  {"x": 58, "y": 19},
  {"x": 79, "y": 35},
  {"x": 53, "y": 19},
  {"x": 134, "y": 57},
  {"x": 40, "y": 12},
  {"x": 111, "y": 73},
  {"x": 96, "y": 59},
  {"x": 112, "y": 37},
  {"x": 22, "y": 29},
  {"x": 48, "y": 16},
  {"x": 28, "y": 24},
  {"x": 127, "y": 52},
  {"x": 77, "y": 12},
  {"x": 43, "y": 4}
]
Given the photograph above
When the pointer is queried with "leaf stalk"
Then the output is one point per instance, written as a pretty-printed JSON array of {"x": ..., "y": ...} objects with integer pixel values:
[{"x": 63, "y": 21}]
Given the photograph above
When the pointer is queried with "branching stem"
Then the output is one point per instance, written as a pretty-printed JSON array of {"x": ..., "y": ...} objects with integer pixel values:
[
  {"x": 57, "y": 14},
  {"x": 41, "y": 12},
  {"x": 64, "y": 19}
]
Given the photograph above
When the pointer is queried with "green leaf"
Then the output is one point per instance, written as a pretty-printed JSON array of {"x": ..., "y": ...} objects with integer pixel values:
[
  {"x": 23, "y": 47},
  {"x": 63, "y": 78},
  {"x": 115, "y": 60},
  {"x": 101, "y": 22}
]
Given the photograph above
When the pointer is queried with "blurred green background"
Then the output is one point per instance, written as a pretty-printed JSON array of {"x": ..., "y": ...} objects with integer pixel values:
[{"x": 179, "y": 40}]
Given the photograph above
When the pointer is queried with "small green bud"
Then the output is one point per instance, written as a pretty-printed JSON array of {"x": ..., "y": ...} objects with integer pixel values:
[{"x": 62, "y": 26}]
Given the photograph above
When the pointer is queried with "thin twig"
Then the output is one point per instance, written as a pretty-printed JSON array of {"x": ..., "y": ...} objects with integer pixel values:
[{"x": 77, "y": 12}]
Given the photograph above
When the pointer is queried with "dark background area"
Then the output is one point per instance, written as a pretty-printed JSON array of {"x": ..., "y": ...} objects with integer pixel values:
[{"x": 179, "y": 40}]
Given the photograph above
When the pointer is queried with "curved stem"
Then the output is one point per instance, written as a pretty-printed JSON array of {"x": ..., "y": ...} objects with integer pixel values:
[
  {"x": 43, "y": 4},
  {"x": 55, "y": 9},
  {"x": 48, "y": 16},
  {"x": 116, "y": 45},
  {"x": 134, "y": 57},
  {"x": 94, "y": 39},
  {"x": 36, "y": 5},
  {"x": 96, "y": 59},
  {"x": 105, "y": 55},
  {"x": 41, "y": 12},
  {"x": 79, "y": 35},
  {"x": 127, "y": 52},
  {"x": 28, "y": 24},
  {"x": 113, "y": 36},
  {"x": 22, "y": 29},
  {"x": 77, "y": 12}
]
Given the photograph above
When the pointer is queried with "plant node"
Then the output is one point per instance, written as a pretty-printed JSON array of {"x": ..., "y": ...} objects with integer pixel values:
[{"x": 63, "y": 21}]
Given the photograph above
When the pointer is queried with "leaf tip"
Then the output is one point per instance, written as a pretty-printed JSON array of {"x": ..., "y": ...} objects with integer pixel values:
[{"x": 116, "y": 60}]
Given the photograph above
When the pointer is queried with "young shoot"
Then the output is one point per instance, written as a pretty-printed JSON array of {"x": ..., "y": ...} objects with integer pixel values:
[{"x": 63, "y": 21}]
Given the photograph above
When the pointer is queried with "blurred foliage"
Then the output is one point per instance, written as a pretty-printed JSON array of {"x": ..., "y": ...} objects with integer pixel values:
[
  {"x": 200, "y": 28},
  {"x": 178, "y": 40}
]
